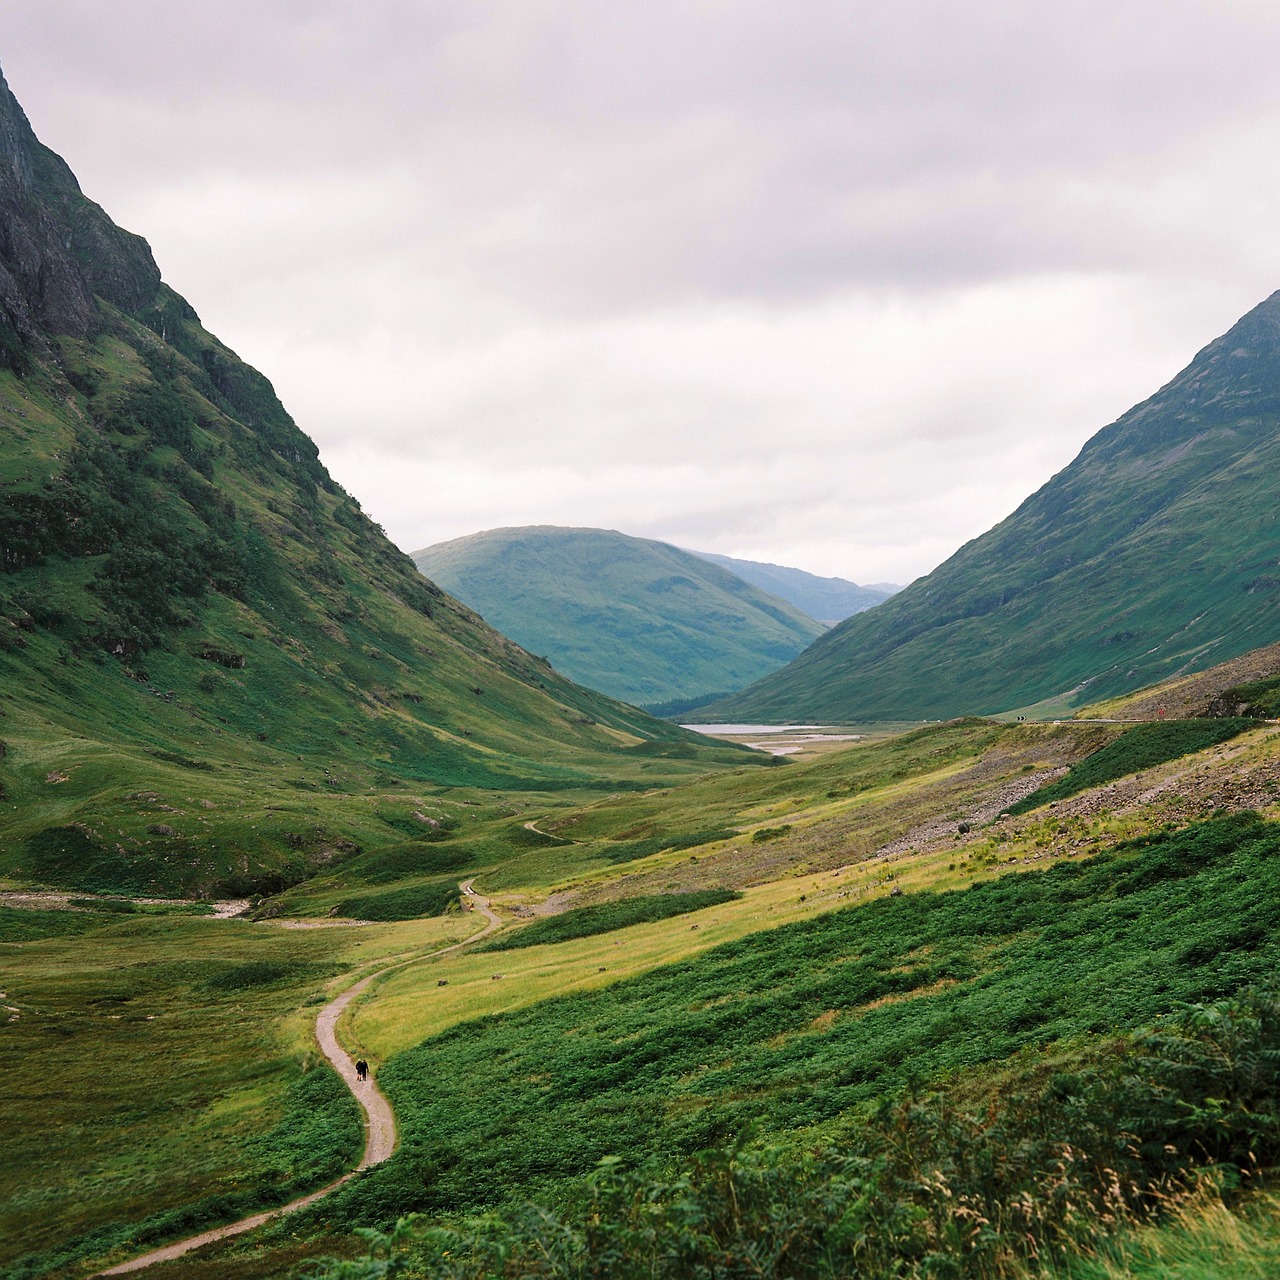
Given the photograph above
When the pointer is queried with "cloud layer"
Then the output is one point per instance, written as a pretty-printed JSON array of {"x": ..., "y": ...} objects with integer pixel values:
[{"x": 831, "y": 285}]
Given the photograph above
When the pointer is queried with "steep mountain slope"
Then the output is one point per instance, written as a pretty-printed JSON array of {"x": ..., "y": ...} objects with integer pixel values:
[
  {"x": 1153, "y": 554},
  {"x": 637, "y": 619},
  {"x": 194, "y": 616},
  {"x": 830, "y": 600}
]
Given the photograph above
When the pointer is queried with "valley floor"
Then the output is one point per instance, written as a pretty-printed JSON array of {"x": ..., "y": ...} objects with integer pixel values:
[{"x": 173, "y": 1060}]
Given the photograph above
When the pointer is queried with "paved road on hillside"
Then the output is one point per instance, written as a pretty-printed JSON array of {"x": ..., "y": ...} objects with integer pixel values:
[{"x": 379, "y": 1119}]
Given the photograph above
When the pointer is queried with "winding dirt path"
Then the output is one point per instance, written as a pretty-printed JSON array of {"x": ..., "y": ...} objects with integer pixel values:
[
  {"x": 379, "y": 1119},
  {"x": 532, "y": 825}
]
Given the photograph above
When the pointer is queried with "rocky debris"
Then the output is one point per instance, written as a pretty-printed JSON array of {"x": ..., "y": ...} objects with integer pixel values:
[
  {"x": 1196, "y": 695},
  {"x": 991, "y": 809},
  {"x": 161, "y": 829}
]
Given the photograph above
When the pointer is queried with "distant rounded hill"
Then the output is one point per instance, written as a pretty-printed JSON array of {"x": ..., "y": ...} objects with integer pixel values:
[
  {"x": 636, "y": 619},
  {"x": 830, "y": 600}
]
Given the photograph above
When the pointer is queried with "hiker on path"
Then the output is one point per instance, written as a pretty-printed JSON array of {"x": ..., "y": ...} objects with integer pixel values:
[{"x": 362, "y": 1069}]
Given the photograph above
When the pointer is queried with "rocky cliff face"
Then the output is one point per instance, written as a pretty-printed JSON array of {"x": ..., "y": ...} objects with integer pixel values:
[{"x": 58, "y": 249}]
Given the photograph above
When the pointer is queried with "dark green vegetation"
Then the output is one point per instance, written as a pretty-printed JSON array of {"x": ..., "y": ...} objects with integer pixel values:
[
  {"x": 149, "y": 1088},
  {"x": 1152, "y": 554},
  {"x": 830, "y": 600},
  {"x": 1260, "y": 699},
  {"x": 952, "y": 1183},
  {"x": 207, "y": 650},
  {"x": 428, "y": 899},
  {"x": 640, "y": 620},
  {"x": 605, "y": 917},
  {"x": 786, "y": 1033},
  {"x": 1139, "y": 748}
]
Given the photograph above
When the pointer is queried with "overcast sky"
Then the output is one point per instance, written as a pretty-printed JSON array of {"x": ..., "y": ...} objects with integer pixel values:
[{"x": 833, "y": 285}]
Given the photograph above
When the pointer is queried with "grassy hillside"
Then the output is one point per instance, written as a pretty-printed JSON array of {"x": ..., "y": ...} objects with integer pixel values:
[
  {"x": 640, "y": 620},
  {"x": 920, "y": 1032},
  {"x": 1151, "y": 555},
  {"x": 793, "y": 1034},
  {"x": 211, "y": 661},
  {"x": 830, "y": 600}
]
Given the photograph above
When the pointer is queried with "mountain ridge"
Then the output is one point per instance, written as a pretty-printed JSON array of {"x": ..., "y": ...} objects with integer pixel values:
[
  {"x": 186, "y": 593},
  {"x": 640, "y": 619},
  {"x": 1152, "y": 553},
  {"x": 829, "y": 600}
]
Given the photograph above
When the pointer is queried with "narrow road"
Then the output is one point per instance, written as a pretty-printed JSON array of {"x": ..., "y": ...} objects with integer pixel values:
[{"x": 379, "y": 1119}]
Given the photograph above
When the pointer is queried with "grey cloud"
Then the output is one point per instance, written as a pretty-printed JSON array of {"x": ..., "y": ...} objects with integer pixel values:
[{"x": 842, "y": 279}]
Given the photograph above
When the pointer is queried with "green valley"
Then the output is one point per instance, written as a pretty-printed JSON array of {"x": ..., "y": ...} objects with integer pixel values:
[{"x": 983, "y": 999}]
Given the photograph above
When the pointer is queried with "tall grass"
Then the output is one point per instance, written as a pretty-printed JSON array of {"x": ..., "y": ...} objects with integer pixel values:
[{"x": 941, "y": 1185}]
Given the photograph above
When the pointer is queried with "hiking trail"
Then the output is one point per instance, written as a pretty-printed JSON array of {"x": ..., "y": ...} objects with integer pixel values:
[{"x": 379, "y": 1119}]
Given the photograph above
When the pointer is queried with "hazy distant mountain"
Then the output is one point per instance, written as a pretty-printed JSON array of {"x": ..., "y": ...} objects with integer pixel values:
[
  {"x": 1157, "y": 551},
  {"x": 636, "y": 619},
  {"x": 830, "y": 600}
]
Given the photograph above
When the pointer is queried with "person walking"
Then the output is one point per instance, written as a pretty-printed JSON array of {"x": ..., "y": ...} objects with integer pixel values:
[{"x": 362, "y": 1069}]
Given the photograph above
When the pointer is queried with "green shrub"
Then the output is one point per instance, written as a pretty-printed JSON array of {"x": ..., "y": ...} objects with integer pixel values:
[
  {"x": 1262, "y": 698},
  {"x": 429, "y": 899},
  {"x": 628, "y": 851},
  {"x": 933, "y": 1186},
  {"x": 404, "y": 860},
  {"x": 1139, "y": 748},
  {"x": 605, "y": 917},
  {"x": 791, "y": 1031},
  {"x": 761, "y": 834},
  {"x": 256, "y": 973}
]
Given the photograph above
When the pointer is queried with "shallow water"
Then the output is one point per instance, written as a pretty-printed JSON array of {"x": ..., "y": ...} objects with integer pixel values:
[{"x": 723, "y": 730}]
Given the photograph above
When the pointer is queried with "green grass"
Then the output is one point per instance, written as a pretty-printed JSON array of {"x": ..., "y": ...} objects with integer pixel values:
[
  {"x": 407, "y": 903},
  {"x": 1139, "y": 748},
  {"x": 1206, "y": 1241},
  {"x": 317, "y": 1139},
  {"x": 793, "y": 1029},
  {"x": 158, "y": 1072},
  {"x": 605, "y": 917}
]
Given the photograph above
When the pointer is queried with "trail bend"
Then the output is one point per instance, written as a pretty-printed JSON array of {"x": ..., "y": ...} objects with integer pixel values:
[{"x": 379, "y": 1119}]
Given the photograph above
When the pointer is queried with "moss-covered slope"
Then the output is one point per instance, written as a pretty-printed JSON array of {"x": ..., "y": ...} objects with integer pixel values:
[{"x": 193, "y": 615}]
